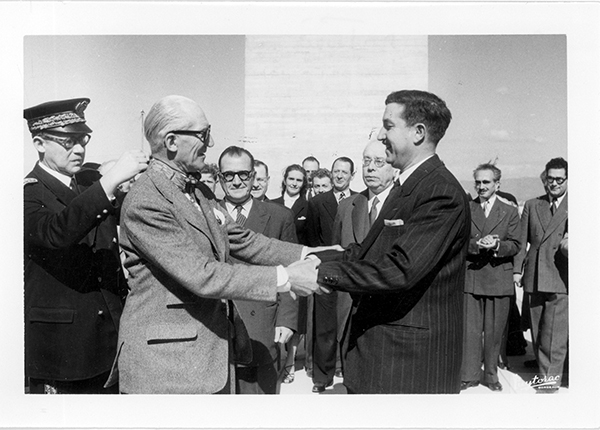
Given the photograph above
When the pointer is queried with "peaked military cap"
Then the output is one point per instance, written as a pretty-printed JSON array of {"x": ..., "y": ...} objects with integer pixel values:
[{"x": 64, "y": 116}]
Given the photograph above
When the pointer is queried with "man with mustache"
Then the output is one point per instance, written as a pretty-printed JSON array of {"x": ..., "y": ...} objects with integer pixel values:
[
  {"x": 74, "y": 283},
  {"x": 489, "y": 285}
]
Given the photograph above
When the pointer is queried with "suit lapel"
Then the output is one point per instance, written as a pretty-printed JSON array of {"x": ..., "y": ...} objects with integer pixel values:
[
  {"x": 188, "y": 210},
  {"x": 63, "y": 193},
  {"x": 394, "y": 201},
  {"x": 496, "y": 215},
  {"x": 330, "y": 204},
  {"x": 477, "y": 214},
  {"x": 558, "y": 219},
  {"x": 542, "y": 209},
  {"x": 360, "y": 217},
  {"x": 258, "y": 218}
]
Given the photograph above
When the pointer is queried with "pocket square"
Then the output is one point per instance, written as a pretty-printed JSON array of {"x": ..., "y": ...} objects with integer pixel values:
[
  {"x": 301, "y": 218},
  {"x": 393, "y": 222}
]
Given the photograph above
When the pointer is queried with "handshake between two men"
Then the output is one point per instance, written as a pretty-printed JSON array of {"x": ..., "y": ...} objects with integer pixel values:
[{"x": 302, "y": 274}]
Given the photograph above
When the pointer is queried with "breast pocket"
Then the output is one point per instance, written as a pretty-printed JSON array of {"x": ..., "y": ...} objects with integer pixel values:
[
  {"x": 171, "y": 333},
  {"x": 51, "y": 315}
]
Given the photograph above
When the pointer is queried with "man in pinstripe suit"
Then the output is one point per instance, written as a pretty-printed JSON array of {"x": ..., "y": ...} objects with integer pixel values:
[{"x": 409, "y": 271}]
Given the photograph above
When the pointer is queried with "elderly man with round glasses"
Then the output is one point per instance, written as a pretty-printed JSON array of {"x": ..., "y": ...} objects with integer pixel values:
[{"x": 74, "y": 283}]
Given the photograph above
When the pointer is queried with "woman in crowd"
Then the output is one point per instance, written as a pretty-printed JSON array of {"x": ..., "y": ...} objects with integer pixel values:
[{"x": 293, "y": 190}]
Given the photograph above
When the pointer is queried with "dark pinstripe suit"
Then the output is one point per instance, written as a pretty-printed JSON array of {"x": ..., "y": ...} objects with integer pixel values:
[{"x": 406, "y": 333}]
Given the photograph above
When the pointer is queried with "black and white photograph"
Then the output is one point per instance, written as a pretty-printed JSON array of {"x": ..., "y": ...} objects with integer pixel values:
[{"x": 360, "y": 209}]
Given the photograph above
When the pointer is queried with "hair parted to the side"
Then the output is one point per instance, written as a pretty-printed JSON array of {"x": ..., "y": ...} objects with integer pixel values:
[
  {"x": 423, "y": 107},
  {"x": 261, "y": 163}
]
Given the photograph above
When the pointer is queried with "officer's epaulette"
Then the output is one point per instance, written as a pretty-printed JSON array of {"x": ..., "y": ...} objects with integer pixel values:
[{"x": 29, "y": 181}]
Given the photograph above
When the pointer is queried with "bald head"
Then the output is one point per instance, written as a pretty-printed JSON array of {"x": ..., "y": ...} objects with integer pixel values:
[{"x": 170, "y": 113}]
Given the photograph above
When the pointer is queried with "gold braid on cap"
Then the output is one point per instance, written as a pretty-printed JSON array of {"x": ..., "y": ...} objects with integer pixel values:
[{"x": 60, "y": 119}]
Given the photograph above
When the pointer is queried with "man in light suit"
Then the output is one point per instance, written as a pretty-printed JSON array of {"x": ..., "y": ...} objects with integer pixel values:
[
  {"x": 268, "y": 324},
  {"x": 543, "y": 272},
  {"x": 406, "y": 333},
  {"x": 179, "y": 333},
  {"x": 354, "y": 218},
  {"x": 321, "y": 213},
  {"x": 489, "y": 284}
]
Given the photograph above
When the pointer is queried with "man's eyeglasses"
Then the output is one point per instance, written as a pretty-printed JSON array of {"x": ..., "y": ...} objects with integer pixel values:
[
  {"x": 559, "y": 181},
  {"x": 203, "y": 135},
  {"x": 244, "y": 175},
  {"x": 379, "y": 162},
  {"x": 68, "y": 142}
]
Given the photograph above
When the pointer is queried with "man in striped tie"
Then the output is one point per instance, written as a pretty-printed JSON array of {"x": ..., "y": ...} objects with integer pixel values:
[
  {"x": 268, "y": 325},
  {"x": 354, "y": 218}
]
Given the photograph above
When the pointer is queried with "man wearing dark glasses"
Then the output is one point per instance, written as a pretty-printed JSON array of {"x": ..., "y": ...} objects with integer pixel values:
[
  {"x": 180, "y": 332},
  {"x": 74, "y": 283},
  {"x": 543, "y": 272}
]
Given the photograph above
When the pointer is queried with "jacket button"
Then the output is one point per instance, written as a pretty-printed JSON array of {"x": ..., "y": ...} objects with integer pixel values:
[
  {"x": 100, "y": 312},
  {"x": 252, "y": 313},
  {"x": 104, "y": 211},
  {"x": 99, "y": 278},
  {"x": 98, "y": 216}
]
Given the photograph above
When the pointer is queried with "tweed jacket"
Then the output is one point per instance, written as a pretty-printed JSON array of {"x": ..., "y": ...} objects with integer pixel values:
[
  {"x": 406, "y": 333},
  {"x": 74, "y": 283},
  {"x": 261, "y": 318},
  {"x": 490, "y": 273},
  {"x": 544, "y": 267},
  {"x": 299, "y": 211},
  {"x": 176, "y": 335}
]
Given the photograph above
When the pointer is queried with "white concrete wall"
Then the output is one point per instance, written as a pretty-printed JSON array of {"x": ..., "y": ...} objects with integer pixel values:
[{"x": 322, "y": 95}]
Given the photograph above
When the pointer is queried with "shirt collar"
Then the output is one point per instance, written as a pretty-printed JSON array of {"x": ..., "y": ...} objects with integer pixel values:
[
  {"x": 288, "y": 201},
  {"x": 61, "y": 177},
  {"x": 559, "y": 200},
  {"x": 337, "y": 194},
  {"x": 492, "y": 200},
  {"x": 405, "y": 174},
  {"x": 381, "y": 196},
  {"x": 231, "y": 207}
]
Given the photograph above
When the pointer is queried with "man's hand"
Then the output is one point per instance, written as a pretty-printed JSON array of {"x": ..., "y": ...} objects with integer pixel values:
[
  {"x": 303, "y": 277},
  {"x": 283, "y": 334},
  {"x": 488, "y": 242},
  {"x": 130, "y": 164},
  {"x": 517, "y": 279},
  {"x": 564, "y": 245}
]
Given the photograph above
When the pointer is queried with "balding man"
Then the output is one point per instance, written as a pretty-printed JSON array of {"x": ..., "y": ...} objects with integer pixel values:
[
  {"x": 180, "y": 332},
  {"x": 354, "y": 218}
]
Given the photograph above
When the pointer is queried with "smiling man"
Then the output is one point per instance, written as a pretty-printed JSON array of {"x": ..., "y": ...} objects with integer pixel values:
[
  {"x": 268, "y": 324},
  {"x": 543, "y": 272},
  {"x": 74, "y": 283},
  {"x": 179, "y": 331},
  {"x": 408, "y": 273}
]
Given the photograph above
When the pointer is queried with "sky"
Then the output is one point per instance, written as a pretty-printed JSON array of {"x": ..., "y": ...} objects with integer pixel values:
[{"x": 509, "y": 106}]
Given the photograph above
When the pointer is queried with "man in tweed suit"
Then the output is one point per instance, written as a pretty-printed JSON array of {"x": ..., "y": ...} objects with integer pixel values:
[
  {"x": 179, "y": 333},
  {"x": 543, "y": 272},
  {"x": 489, "y": 284},
  {"x": 409, "y": 271}
]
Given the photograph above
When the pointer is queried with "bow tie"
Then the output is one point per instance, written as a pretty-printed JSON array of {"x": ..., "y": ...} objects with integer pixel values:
[{"x": 191, "y": 183}]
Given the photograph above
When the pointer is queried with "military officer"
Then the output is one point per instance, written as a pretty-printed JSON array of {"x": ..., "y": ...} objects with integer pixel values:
[{"x": 74, "y": 283}]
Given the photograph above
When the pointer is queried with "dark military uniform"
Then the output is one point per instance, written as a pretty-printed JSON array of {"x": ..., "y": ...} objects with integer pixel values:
[{"x": 74, "y": 283}]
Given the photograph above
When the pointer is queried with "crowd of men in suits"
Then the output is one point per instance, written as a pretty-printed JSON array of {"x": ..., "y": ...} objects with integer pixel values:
[{"x": 405, "y": 287}]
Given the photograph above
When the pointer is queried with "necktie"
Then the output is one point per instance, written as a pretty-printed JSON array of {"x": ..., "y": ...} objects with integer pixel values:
[
  {"x": 342, "y": 196},
  {"x": 553, "y": 207},
  {"x": 373, "y": 214},
  {"x": 73, "y": 185},
  {"x": 486, "y": 208},
  {"x": 240, "y": 219}
]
